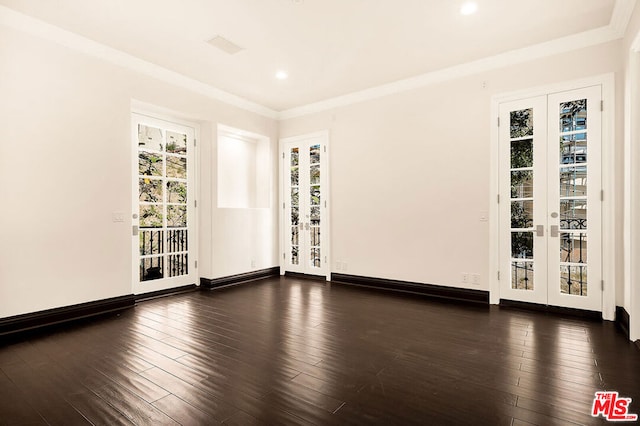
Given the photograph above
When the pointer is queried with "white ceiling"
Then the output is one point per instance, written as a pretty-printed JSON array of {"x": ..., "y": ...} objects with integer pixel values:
[{"x": 329, "y": 48}]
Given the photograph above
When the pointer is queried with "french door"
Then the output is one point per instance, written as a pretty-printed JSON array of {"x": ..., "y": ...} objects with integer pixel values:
[
  {"x": 163, "y": 214},
  {"x": 550, "y": 199},
  {"x": 305, "y": 189}
]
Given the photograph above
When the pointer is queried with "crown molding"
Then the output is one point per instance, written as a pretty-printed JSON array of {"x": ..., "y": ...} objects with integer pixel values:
[
  {"x": 513, "y": 57},
  {"x": 616, "y": 29},
  {"x": 36, "y": 27},
  {"x": 622, "y": 11}
]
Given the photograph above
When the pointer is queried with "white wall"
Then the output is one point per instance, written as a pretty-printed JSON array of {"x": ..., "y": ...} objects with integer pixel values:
[
  {"x": 65, "y": 155},
  {"x": 410, "y": 171},
  {"x": 236, "y": 172}
]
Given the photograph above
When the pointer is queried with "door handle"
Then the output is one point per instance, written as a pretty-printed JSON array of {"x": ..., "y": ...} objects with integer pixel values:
[
  {"x": 540, "y": 230},
  {"x": 554, "y": 231}
]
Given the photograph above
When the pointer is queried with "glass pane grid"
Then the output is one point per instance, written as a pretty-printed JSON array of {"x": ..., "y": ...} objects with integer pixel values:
[
  {"x": 314, "y": 260},
  {"x": 162, "y": 167},
  {"x": 522, "y": 245},
  {"x": 573, "y": 279},
  {"x": 521, "y": 123},
  {"x": 573, "y": 115},
  {"x": 522, "y": 277},
  {"x": 522, "y": 201},
  {"x": 573, "y": 200},
  {"x": 151, "y": 268}
]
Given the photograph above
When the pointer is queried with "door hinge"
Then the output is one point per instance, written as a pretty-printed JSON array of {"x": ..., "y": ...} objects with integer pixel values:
[
  {"x": 325, "y": 259},
  {"x": 498, "y": 275},
  {"x": 283, "y": 155},
  {"x": 498, "y": 121},
  {"x": 194, "y": 142},
  {"x": 196, "y": 264},
  {"x": 284, "y": 255},
  {"x": 601, "y": 105},
  {"x": 602, "y": 195},
  {"x": 195, "y": 203},
  {"x": 325, "y": 148},
  {"x": 498, "y": 198},
  {"x": 283, "y": 206},
  {"x": 602, "y": 285},
  {"x": 325, "y": 204}
]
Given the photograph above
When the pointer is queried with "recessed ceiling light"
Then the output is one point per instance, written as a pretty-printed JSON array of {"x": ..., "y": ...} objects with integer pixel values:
[
  {"x": 469, "y": 8},
  {"x": 282, "y": 75}
]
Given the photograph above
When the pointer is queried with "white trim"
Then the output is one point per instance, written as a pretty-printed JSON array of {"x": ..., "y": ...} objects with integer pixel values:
[
  {"x": 240, "y": 134},
  {"x": 609, "y": 248},
  {"x": 141, "y": 115},
  {"x": 632, "y": 184},
  {"x": 30, "y": 25},
  {"x": 619, "y": 20},
  {"x": 622, "y": 11},
  {"x": 324, "y": 135},
  {"x": 635, "y": 46},
  {"x": 494, "y": 207},
  {"x": 607, "y": 81},
  {"x": 554, "y": 47}
]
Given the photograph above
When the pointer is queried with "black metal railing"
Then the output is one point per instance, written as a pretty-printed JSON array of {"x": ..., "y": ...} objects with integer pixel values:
[
  {"x": 522, "y": 274},
  {"x": 573, "y": 247},
  {"x": 153, "y": 243}
]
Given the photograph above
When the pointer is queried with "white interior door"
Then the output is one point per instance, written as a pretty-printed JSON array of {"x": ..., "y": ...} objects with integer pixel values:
[
  {"x": 164, "y": 238},
  {"x": 550, "y": 218},
  {"x": 305, "y": 190}
]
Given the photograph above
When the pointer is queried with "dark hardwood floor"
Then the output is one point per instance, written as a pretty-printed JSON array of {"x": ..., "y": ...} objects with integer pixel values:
[{"x": 290, "y": 351}]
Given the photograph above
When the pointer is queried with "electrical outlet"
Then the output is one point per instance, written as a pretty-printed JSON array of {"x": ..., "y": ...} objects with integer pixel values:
[
  {"x": 344, "y": 266},
  {"x": 475, "y": 278},
  {"x": 464, "y": 277}
]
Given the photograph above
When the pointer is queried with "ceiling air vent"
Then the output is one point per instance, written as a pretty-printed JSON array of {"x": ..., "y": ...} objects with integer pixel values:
[{"x": 225, "y": 45}]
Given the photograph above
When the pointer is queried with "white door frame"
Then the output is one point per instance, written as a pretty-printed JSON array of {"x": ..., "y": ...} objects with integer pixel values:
[
  {"x": 147, "y": 111},
  {"x": 632, "y": 189},
  {"x": 607, "y": 81},
  {"x": 326, "y": 196}
]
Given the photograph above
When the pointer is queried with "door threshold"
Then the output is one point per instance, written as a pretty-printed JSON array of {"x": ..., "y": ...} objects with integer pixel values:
[
  {"x": 550, "y": 309},
  {"x": 305, "y": 276}
]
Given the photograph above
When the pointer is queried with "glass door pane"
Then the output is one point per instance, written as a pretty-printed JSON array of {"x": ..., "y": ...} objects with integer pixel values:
[
  {"x": 164, "y": 203},
  {"x": 574, "y": 199},
  {"x": 522, "y": 177},
  {"x": 304, "y": 207},
  {"x": 550, "y": 226}
]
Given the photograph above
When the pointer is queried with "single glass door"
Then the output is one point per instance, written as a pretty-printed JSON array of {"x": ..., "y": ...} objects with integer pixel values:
[{"x": 164, "y": 205}]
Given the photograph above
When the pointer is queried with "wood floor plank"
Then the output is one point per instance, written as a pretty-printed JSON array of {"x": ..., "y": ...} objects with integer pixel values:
[
  {"x": 183, "y": 412},
  {"x": 15, "y": 408},
  {"x": 42, "y": 394},
  {"x": 98, "y": 411},
  {"x": 133, "y": 407},
  {"x": 131, "y": 381},
  {"x": 289, "y": 351},
  {"x": 196, "y": 396}
]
